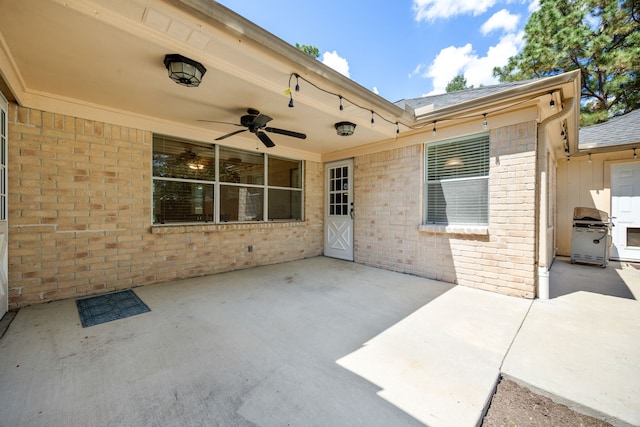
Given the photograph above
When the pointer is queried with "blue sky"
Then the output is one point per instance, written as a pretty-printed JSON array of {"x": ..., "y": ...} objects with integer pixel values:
[{"x": 400, "y": 48}]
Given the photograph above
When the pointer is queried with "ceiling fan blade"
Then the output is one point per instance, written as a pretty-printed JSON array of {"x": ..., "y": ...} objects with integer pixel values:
[
  {"x": 286, "y": 132},
  {"x": 261, "y": 120},
  {"x": 224, "y": 123},
  {"x": 265, "y": 139},
  {"x": 230, "y": 134}
]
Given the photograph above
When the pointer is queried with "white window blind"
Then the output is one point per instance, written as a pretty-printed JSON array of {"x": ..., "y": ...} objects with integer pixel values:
[{"x": 456, "y": 181}]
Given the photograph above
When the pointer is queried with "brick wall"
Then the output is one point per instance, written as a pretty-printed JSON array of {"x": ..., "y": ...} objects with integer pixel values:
[
  {"x": 80, "y": 215},
  {"x": 388, "y": 198}
]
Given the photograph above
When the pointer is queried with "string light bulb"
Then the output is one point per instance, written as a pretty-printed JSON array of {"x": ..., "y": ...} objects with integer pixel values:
[
  {"x": 434, "y": 129},
  {"x": 341, "y": 106},
  {"x": 552, "y": 103},
  {"x": 290, "y": 101},
  {"x": 589, "y": 157},
  {"x": 484, "y": 122},
  {"x": 397, "y": 129},
  {"x": 373, "y": 122},
  {"x": 297, "y": 84},
  {"x": 635, "y": 156}
]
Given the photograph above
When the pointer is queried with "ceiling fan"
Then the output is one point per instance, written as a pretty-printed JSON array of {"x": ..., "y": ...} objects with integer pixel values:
[{"x": 255, "y": 122}]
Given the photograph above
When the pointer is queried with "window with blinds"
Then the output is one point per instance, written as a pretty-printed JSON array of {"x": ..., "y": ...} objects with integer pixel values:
[{"x": 457, "y": 181}]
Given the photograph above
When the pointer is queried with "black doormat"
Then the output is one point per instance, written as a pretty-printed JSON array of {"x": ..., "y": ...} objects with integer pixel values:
[{"x": 108, "y": 307}]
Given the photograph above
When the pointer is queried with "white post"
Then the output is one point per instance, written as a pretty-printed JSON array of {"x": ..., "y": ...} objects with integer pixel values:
[{"x": 543, "y": 283}]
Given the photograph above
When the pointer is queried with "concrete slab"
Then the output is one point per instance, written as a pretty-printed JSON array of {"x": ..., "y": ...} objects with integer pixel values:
[
  {"x": 323, "y": 342},
  {"x": 441, "y": 364},
  {"x": 250, "y": 348},
  {"x": 583, "y": 348}
]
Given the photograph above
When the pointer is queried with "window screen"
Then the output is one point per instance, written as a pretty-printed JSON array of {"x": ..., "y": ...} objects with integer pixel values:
[{"x": 456, "y": 181}]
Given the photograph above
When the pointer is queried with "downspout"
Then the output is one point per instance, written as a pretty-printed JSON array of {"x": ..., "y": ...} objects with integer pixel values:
[{"x": 543, "y": 259}]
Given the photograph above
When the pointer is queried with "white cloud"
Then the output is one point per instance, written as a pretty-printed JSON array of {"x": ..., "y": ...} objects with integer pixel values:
[
  {"x": 452, "y": 61},
  {"x": 501, "y": 20},
  {"x": 417, "y": 71},
  {"x": 376, "y": 91},
  {"x": 534, "y": 6},
  {"x": 430, "y": 10},
  {"x": 335, "y": 61}
]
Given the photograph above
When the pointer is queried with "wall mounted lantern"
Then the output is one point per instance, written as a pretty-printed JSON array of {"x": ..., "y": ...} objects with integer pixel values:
[
  {"x": 345, "y": 128},
  {"x": 184, "y": 71}
]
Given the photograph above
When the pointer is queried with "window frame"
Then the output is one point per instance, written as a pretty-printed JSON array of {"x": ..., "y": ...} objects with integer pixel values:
[
  {"x": 217, "y": 184},
  {"x": 481, "y": 162}
]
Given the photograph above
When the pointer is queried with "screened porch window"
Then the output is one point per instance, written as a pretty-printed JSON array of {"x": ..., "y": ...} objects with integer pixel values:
[
  {"x": 197, "y": 182},
  {"x": 457, "y": 181}
]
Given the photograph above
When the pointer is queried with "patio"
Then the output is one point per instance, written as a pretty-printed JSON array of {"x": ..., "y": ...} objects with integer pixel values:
[{"x": 319, "y": 342}]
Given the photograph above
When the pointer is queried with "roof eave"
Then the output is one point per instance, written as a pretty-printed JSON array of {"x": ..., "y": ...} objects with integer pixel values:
[
  {"x": 516, "y": 94},
  {"x": 301, "y": 63}
]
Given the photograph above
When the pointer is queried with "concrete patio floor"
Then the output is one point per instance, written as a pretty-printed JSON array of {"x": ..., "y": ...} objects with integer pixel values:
[{"x": 323, "y": 342}]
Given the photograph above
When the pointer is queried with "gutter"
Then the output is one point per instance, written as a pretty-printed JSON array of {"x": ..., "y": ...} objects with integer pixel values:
[
  {"x": 542, "y": 261},
  {"x": 530, "y": 90}
]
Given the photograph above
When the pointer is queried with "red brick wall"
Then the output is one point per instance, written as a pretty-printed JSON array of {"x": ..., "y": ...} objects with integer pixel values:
[{"x": 80, "y": 215}]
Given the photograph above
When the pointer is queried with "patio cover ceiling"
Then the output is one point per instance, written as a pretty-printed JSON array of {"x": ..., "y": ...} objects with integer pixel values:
[{"x": 103, "y": 60}]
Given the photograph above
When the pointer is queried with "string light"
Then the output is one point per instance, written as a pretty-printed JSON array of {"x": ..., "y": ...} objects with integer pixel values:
[
  {"x": 635, "y": 156},
  {"x": 485, "y": 124},
  {"x": 589, "y": 157},
  {"x": 340, "y": 97}
]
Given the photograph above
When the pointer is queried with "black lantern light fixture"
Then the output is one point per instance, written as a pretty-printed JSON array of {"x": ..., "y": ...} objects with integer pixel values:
[
  {"x": 345, "y": 128},
  {"x": 184, "y": 71}
]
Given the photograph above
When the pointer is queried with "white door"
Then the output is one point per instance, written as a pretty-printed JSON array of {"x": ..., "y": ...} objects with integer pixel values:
[
  {"x": 625, "y": 210},
  {"x": 338, "y": 218},
  {"x": 4, "y": 242}
]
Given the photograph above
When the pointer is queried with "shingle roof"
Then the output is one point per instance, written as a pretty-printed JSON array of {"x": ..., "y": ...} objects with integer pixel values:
[
  {"x": 452, "y": 98},
  {"x": 619, "y": 130}
]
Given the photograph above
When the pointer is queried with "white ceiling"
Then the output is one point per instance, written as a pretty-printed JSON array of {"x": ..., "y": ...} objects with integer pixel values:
[{"x": 104, "y": 59}]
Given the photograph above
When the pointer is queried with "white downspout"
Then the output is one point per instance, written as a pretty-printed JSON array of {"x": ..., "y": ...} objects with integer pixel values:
[{"x": 543, "y": 261}]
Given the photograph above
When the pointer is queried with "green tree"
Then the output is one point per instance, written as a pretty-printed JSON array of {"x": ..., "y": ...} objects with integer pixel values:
[
  {"x": 312, "y": 51},
  {"x": 601, "y": 38},
  {"x": 459, "y": 82}
]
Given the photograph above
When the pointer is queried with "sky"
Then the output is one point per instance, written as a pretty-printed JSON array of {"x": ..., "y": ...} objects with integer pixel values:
[{"x": 400, "y": 49}]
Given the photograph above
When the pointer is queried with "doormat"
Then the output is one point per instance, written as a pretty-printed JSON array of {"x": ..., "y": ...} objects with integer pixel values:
[{"x": 108, "y": 307}]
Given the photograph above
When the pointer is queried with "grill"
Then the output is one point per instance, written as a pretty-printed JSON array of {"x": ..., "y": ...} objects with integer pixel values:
[{"x": 591, "y": 237}]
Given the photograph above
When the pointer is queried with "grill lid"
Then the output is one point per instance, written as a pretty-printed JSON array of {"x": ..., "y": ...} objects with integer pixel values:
[{"x": 590, "y": 214}]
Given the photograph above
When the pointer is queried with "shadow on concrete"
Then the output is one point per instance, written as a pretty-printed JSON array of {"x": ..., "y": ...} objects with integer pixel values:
[
  {"x": 566, "y": 278},
  {"x": 256, "y": 347}
]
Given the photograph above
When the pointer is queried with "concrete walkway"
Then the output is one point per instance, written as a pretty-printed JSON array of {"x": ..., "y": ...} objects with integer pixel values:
[
  {"x": 317, "y": 342},
  {"x": 582, "y": 348}
]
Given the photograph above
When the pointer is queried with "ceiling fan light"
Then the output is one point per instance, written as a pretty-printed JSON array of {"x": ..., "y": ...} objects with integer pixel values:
[
  {"x": 184, "y": 71},
  {"x": 345, "y": 128}
]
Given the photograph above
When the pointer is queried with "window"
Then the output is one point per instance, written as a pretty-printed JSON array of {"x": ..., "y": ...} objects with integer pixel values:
[
  {"x": 195, "y": 182},
  {"x": 457, "y": 181}
]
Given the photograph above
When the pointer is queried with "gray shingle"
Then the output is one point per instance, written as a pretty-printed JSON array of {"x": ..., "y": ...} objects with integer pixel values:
[
  {"x": 452, "y": 98},
  {"x": 619, "y": 130}
]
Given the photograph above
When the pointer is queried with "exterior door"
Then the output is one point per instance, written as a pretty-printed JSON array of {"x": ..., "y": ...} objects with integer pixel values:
[
  {"x": 338, "y": 218},
  {"x": 4, "y": 242},
  {"x": 625, "y": 210}
]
